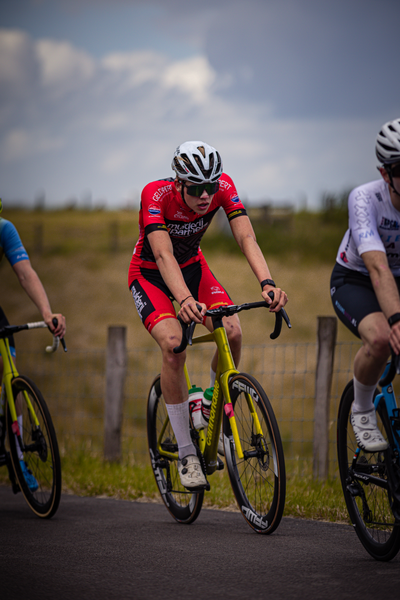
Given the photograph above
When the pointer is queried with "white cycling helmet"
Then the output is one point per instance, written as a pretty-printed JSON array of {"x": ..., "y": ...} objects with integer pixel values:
[
  {"x": 387, "y": 146},
  {"x": 197, "y": 162}
]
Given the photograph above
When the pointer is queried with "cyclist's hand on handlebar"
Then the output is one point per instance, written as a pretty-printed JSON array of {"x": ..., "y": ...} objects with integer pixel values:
[
  {"x": 394, "y": 337},
  {"x": 190, "y": 311},
  {"x": 60, "y": 328},
  {"x": 280, "y": 298}
]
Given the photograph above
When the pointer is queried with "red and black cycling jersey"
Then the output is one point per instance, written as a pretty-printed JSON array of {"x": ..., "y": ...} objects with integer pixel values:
[{"x": 162, "y": 208}]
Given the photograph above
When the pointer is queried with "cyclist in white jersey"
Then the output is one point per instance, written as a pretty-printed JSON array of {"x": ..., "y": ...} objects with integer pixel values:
[{"x": 365, "y": 281}]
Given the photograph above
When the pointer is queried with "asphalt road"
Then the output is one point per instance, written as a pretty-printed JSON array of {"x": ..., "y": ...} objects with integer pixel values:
[{"x": 104, "y": 548}]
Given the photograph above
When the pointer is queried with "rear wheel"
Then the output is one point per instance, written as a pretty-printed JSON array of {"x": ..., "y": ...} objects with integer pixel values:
[
  {"x": 183, "y": 505},
  {"x": 39, "y": 473},
  {"x": 364, "y": 477},
  {"x": 258, "y": 480}
]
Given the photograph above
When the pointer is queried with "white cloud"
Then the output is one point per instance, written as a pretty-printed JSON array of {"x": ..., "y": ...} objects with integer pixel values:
[
  {"x": 70, "y": 122},
  {"x": 193, "y": 76},
  {"x": 63, "y": 67}
]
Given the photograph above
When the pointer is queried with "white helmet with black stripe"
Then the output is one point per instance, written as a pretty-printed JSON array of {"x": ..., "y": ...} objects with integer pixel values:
[
  {"x": 387, "y": 146},
  {"x": 197, "y": 162}
]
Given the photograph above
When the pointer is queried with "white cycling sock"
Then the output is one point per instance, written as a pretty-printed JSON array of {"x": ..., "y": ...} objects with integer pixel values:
[
  {"x": 19, "y": 452},
  {"x": 179, "y": 418},
  {"x": 363, "y": 396}
]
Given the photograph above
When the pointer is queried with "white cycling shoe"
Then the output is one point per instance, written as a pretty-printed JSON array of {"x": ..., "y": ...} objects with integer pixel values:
[
  {"x": 367, "y": 433},
  {"x": 191, "y": 474}
]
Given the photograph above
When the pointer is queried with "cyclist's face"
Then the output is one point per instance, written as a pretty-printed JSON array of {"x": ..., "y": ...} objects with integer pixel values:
[
  {"x": 395, "y": 170},
  {"x": 199, "y": 204}
]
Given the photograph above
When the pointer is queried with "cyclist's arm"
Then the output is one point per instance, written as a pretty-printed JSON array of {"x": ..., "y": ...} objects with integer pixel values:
[
  {"x": 386, "y": 290},
  {"x": 32, "y": 285},
  {"x": 244, "y": 235},
  {"x": 171, "y": 273}
]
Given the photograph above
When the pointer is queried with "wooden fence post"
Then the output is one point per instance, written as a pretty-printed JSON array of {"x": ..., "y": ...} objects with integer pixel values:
[
  {"x": 116, "y": 361},
  {"x": 327, "y": 330}
]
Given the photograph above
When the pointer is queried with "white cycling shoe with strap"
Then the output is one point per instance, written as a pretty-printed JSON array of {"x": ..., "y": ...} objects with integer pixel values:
[
  {"x": 191, "y": 474},
  {"x": 367, "y": 433}
]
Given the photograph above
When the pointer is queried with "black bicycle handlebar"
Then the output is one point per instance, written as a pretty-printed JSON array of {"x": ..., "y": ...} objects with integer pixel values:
[
  {"x": 228, "y": 311},
  {"x": 8, "y": 330},
  {"x": 394, "y": 368}
]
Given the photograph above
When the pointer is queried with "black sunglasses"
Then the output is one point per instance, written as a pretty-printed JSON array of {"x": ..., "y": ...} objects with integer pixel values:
[
  {"x": 197, "y": 190},
  {"x": 394, "y": 169}
]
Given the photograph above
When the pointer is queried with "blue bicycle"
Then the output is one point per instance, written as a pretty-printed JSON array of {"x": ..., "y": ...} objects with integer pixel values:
[{"x": 371, "y": 480}]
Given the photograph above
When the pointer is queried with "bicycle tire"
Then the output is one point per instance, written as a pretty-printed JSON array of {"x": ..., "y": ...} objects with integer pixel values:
[
  {"x": 259, "y": 479},
  {"x": 184, "y": 506},
  {"x": 42, "y": 456},
  {"x": 368, "y": 505}
]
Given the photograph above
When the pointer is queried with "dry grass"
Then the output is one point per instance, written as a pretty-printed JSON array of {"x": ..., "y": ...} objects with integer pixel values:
[{"x": 87, "y": 281}]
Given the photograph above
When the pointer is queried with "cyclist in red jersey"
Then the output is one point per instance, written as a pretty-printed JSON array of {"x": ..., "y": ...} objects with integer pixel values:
[{"x": 167, "y": 264}]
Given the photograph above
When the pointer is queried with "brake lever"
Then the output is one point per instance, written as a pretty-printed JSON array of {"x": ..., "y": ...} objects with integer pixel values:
[{"x": 282, "y": 314}]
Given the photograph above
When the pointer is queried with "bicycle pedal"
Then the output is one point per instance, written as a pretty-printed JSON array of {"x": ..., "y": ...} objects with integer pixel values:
[{"x": 220, "y": 464}]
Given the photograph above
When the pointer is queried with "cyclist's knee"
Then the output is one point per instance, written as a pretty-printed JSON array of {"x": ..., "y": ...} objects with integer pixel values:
[{"x": 234, "y": 333}]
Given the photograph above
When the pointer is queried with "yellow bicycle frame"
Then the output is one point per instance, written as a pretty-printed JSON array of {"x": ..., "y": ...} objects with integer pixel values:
[
  {"x": 226, "y": 368},
  {"x": 9, "y": 372}
]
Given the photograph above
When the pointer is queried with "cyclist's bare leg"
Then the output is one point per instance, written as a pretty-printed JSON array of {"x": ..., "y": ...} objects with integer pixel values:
[
  {"x": 371, "y": 359},
  {"x": 234, "y": 333},
  {"x": 168, "y": 334}
]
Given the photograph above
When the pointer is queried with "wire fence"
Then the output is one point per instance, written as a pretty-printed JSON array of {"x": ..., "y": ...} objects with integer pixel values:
[{"x": 73, "y": 385}]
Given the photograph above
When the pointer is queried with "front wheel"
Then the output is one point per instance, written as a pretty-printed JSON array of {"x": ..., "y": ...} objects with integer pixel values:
[
  {"x": 364, "y": 479},
  {"x": 183, "y": 505},
  {"x": 258, "y": 480},
  {"x": 37, "y": 465}
]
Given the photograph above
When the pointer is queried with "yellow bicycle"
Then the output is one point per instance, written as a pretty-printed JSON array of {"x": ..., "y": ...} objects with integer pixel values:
[
  {"x": 252, "y": 443},
  {"x": 33, "y": 458}
]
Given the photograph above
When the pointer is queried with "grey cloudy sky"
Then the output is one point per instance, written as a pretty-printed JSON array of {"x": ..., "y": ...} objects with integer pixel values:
[{"x": 96, "y": 95}]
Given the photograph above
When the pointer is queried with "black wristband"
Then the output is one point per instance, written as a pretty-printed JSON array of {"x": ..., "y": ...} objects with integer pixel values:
[
  {"x": 190, "y": 296},
  {"x": 267, "y": 282},
  {"x": 393, "y": 319}
]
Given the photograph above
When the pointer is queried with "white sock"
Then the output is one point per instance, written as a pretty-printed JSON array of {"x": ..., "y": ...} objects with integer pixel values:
[
  {"x": 212, "y": 377},
  {"x": 363, "y": 396},
  {"x": 179, "y": 418},
  {"x": 19, "y": 452}
]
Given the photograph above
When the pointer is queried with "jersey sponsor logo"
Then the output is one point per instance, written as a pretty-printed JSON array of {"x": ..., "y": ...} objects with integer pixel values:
[
  {"x": 364, "y": 235},
  {"x": 344, "y": 257},
  {"x": 379, "y": 196},
  {"x": 346, "y": 314},
  {"x": 180, "y": 215},
  {"x": 236, "y": 213},
  {"x": 154, "y": 210},
  {"x": 224, "y": 184},
  {"x": 234, "y": 198},
  {"x": 164, "y": 315},
  {"x": 161, "y": 192},
  {"x": 216, "y": 290},
  {"x": 389, "y": 224},
  {"x": 139, "y": 302},
  {"x": 186, "y": 229}
]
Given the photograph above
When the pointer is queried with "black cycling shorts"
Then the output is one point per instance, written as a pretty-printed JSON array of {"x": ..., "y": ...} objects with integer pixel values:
[
  {"x": 353, "y": 296},
  {"x": 3, "y": 323}
]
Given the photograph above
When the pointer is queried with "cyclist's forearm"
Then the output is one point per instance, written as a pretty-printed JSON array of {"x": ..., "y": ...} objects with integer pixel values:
[
  {"x": 256, "y": 259},
  {"x": 172, "y": 276},
  {"x": 32, "y": 285}
]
